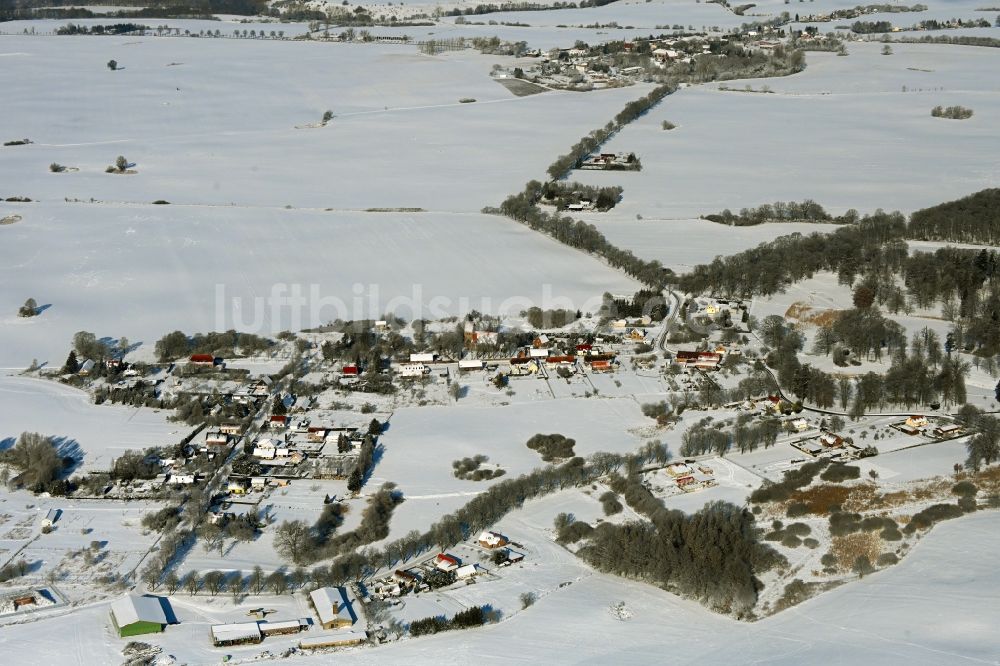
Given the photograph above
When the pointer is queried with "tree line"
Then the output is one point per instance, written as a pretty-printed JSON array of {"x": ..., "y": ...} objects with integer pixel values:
[{"x": 179, "y": 345}]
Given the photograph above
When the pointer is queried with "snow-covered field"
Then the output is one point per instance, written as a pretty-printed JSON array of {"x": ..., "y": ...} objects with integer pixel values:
[
  {"x": 98, "y": 433},
  {"x": 842, "y": 133},
  {"x": 143, "y": 271},
  {"x": 211, "y": 125}
]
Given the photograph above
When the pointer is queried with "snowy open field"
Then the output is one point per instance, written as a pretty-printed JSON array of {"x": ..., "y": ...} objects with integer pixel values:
[
  {"x": 207, "y": 135},
  {"x": 100, "y": 433},
  {"x": 143, "y": 271},
  {"x": 842, "y": 133},
  {"x": 225, "y": 122}
]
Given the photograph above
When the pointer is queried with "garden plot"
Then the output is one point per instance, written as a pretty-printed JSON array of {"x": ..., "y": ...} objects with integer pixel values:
[
  {"x": 112, "y": 531},
  {"x": 300, "y": 500},
  {"x": 143, "y": 271},
  {"x": 874, "y": 148},
  {"x": 98, "y": 433}
]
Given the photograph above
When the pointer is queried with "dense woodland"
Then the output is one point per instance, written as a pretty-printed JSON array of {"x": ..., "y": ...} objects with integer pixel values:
[{"x": 713, "y": 555}]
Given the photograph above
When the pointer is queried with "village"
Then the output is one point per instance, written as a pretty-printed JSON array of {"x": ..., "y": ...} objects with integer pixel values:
[{"x": 270, "y": 446}]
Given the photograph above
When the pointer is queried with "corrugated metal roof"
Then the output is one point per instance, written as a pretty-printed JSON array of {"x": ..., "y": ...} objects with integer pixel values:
[{"x": 133, "y": 608}]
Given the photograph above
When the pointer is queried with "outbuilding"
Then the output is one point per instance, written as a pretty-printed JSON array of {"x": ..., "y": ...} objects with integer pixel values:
[
  {"x": 133, "y": 615},
  {"x": 236, "y": 633},
  {"x": 51, "y": 516}
]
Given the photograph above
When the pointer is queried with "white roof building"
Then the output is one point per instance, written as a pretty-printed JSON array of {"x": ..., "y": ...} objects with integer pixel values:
[
  {"x": 132, "y": 608},
  {"x": 467, "y": 571},
  {"x": 235, "y": 633},
  {"x": 334, "y": 607}
]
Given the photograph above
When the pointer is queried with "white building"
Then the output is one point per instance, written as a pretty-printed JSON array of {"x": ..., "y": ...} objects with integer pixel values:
[{"x": 413, "y": 370}]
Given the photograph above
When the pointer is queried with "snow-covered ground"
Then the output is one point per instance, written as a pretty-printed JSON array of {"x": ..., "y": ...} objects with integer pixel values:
[
  {"x": 143, "y": 271},
  {"x": 842, "y": 133},
  {"x": 98, "y": 433}
]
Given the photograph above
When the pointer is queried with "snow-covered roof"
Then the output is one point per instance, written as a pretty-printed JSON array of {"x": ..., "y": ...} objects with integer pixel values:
[
  {"x": 326, "y": 598},
  {"x": 133, "y": 608},
  {"x": 237, "y": 631}
]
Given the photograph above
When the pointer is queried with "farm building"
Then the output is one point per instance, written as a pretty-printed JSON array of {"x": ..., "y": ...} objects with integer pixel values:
[
  {"x": 466, "y": 365},
  {"x": 51, "y": 516},
  {"x": 341, "y": 639},
  {"x": 202, "y": 359},
  {"x": 413, "y": 370},
  {"x": 281, "y": 627},
  {"x": 133, "y": 615},
  {"x": 467, "y": 571},
  {"x": 236, "y": 633},
  {"x": 426, "y": 357},
  {"x": 334, "y": 607}
]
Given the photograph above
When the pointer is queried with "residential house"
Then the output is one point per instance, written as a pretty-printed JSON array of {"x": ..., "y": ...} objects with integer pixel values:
[
  {"x": 334, "y": 607},
  {"x": 216, "y": 438},
  {"x": 492, "y": 540},
  {"x": 445, "y": 562}
]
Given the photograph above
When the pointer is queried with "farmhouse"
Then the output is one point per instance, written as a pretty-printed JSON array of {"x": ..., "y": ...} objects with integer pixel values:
[
  {"x": 266, "y": 449},
  {"x": 446, "y": 562},
  {"x": 700, "y": 360},
  {"x": 947, "y": 430},
  {"x": 202, "y": 360},
  {"x": 492, "y": 540},
  {"x": 917, "y": 421},
  {"x": 236, "y": 633},
  {"x": 231, "y": 429},
  {"x": 216, "y": 438},
  {"x": 828, "y": 439},
  {"x": 133, "y": 615},
  {"x": 334, "y": 607},
  {"x": 800, "y": 424}
]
